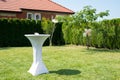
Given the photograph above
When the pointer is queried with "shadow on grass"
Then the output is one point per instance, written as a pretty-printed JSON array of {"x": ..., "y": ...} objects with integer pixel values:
[
  {"x": 4, "y": 48},
  {"x": 104, "y": 50},
  {"x": 93, "y": 50},
  {"x": 66, "y": 72}
]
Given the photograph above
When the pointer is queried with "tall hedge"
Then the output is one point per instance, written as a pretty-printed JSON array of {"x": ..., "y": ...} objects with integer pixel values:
[
  {"x": 12, "y": 31},
  {"x": 105, "y": 34},
  {"x": 58, "y": 35}
]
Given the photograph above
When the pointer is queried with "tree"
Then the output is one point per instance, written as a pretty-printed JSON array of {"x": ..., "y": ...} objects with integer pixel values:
[
  {"x": 74, "y": 25},
  {"x": 87, "y": 16},
  {"x": 47, "y": 27}
]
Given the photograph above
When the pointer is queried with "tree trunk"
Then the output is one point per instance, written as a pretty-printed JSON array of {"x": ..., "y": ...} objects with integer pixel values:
[
  {"x": 52, "y": 34},
  {"x": 87, "y": 43}
]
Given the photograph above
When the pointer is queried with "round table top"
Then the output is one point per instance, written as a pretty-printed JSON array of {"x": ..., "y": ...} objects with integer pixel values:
[{"x": 37, "y": 35}]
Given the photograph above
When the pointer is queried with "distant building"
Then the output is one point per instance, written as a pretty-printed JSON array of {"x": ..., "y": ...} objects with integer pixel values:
[{"x": 31, "y": 9}]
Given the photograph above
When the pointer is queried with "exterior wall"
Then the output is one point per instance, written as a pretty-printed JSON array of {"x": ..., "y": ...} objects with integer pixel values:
[
  {"x": 49, "y": 16},
  {"x": 23, "y": 15},
  {"x": 7, "y": 15}
]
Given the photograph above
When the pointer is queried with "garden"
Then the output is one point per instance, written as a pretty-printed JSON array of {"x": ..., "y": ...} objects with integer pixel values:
[{"x": 73, "y": 54}]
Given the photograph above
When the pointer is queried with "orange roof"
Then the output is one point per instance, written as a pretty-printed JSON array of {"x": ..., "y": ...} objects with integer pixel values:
[{"x": 40, "y": 5}]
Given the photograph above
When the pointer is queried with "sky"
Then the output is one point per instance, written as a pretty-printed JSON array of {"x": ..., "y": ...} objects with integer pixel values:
[{"x": 100, "y": 5}]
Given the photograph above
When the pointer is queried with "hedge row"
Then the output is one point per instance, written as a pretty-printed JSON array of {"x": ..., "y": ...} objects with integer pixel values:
[
  {"x": 105, "y": 34},
  {"x": 12, "y": 31}
]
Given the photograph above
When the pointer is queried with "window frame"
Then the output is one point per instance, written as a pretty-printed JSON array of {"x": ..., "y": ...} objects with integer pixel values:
[
  {"x": 32, "y": 16},
  {"x": 36, "y": 15}
]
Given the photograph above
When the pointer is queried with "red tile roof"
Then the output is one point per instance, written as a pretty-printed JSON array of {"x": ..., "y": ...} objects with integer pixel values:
[{"x": 42, "y": 5}]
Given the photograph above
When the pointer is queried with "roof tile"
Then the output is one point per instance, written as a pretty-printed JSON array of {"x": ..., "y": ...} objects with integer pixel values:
[{"x": 44, "y": 5}]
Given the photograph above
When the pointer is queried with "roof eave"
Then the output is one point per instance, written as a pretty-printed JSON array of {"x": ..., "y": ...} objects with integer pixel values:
[
  {"x": 61, "y": 12},
  {"x": 10, "y": 11},
  {"x": 49, "y": 11}
]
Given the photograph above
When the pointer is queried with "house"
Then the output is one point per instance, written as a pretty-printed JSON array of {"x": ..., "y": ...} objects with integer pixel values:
[{"x": 31, "y": 9}]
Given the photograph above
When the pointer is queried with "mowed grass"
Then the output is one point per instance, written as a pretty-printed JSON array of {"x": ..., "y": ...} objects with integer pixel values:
[{"x": 63, "y": 63}]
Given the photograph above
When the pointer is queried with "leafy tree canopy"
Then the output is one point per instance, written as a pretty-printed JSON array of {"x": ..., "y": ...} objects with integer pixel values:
[
  {"x": 88, "y": 14},
  {"x": 84, "y": 16}
]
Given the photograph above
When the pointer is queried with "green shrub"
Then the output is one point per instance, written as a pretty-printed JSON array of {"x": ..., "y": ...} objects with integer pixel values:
[
  {"x": 105, "y": 34},
  {"x": 13, "y": 30},
  {"x": 58, "y": 35}
]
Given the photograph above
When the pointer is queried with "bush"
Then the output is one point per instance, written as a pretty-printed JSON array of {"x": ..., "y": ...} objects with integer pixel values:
[
  {"x": 13, "y": 30},
  {"x": 58, "y": 35},
  {"x": 105, "y": 34}
]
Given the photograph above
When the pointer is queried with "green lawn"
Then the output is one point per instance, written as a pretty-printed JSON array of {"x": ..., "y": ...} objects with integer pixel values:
[{"x": 63, "y": 63}]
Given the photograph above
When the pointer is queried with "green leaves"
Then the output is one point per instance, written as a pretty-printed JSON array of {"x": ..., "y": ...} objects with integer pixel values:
[
  {"x": 105, "y": 34},
  {"x": 102, "y": 14}
]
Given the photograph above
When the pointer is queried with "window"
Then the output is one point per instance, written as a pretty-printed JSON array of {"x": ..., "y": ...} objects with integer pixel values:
[
  {"x": 37, "y": 16},
  {"x": 29, "y": 16}
]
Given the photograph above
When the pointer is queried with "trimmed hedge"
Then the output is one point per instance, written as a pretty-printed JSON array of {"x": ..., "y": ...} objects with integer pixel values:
[
  {"x": 105, "y": 34},
  {"x": 12, "y": 32},
  {"x": 58, "y": 35}
]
